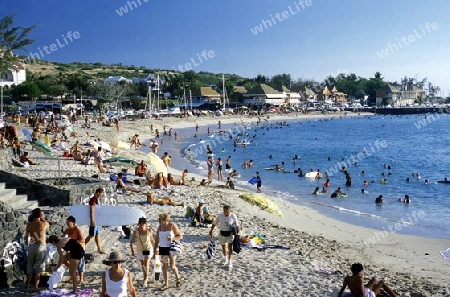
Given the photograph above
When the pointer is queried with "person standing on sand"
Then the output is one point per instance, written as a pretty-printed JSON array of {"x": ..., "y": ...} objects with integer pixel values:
[
  {"x": 166, "y": 233},
  {"x": 226, "y": 221},
  {"x": 355, "y": 283},
  {"x": 145, "y": 244},
  {"x": 76, "y": 234},
  {"x": 258, "y": 183},
  {"x": 210, "y": 164},
  {"x": 98, "y": 159},
  {"x": 94, "y": 231},
  {"x": 117, "y": 124},
  {"x": 35, "y": 239}
]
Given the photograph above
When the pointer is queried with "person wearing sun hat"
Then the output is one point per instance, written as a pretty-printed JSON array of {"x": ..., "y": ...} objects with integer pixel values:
[{"x": 117, "y": 281}]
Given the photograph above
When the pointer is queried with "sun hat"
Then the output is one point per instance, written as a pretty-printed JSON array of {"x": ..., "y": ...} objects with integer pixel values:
[
  {"x": 201, "y": 201},
  {"x": 114, "y": 257}
]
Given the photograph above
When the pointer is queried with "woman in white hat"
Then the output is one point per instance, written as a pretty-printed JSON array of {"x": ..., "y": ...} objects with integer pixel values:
[{"x": 116, "y": 281}]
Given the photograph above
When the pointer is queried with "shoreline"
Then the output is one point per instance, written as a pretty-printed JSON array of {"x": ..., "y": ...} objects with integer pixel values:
[{"x": 316, "y": 240}]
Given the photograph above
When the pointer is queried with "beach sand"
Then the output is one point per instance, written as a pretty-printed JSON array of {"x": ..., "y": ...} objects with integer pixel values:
[{"x": 411, "y": 265}]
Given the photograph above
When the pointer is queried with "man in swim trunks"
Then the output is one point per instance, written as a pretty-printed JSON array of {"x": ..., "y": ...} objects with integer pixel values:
[
  {"x": 35, "y": 239},
  {"x": 94, "y": 231},
  {"x": 355, "y": 283}
]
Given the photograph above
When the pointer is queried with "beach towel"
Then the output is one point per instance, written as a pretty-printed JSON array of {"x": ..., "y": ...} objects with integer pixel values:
[
  {"x": 446, "y": 254},
  {"x": 56, "y": 277},
  {"x": 65, "y": 293}
]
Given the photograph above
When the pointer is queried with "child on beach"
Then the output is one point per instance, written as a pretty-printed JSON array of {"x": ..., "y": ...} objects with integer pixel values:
[{"x": 355, "y": 283}]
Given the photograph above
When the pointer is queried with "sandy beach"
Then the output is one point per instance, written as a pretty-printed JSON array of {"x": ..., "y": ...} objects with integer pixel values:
[{"x": 411, "y": 265}]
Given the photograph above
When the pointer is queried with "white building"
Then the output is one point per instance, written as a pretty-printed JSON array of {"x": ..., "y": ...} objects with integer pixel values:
[
  {"x": 262, "y": 94},
  {"x": 13, "y": 76},
  {"x": 115, "y": 80}
]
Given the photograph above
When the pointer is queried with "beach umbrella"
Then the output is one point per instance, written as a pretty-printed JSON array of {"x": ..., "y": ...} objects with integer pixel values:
[
  {"x": 104, "y": 146},
  {"x": 43, "y": 148},
  {"x": 261, "y": 202},
  {"x": 121, "y": 145},
  {"x": 157, "y": 163},
  {"x": 120, "y": 160},
  {"x": 27, "y": 133}
]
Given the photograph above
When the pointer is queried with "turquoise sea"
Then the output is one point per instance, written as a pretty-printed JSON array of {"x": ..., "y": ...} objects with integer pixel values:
[{"x": 408, "y": 144}]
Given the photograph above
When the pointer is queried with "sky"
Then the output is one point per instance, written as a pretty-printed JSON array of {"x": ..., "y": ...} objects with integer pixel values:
[{"x": 309, "y": 39}]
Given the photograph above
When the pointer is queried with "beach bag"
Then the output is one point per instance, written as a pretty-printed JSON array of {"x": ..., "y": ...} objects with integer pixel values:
[
  {"x": 113, "y": 177},
  {"x": 237, "y": 244},
  {"x": 176, "y": 248},
  {"x": 211, "y": 249}
]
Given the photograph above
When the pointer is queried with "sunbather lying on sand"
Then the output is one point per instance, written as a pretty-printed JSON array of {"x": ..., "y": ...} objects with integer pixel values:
[{"x": 162, "y": 201}]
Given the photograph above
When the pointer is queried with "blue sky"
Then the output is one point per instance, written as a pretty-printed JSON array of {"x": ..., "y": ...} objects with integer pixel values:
[{"x": 313, "y": 39}]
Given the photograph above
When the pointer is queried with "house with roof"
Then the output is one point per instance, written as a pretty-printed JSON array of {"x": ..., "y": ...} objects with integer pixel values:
[
  {"x": 263, "y": 94},
  {"x": 308, "y": 94},
  {"x": 14, "y": 76},
  {"x": 150, "y": 80},
  {"x": 116, "y": 79},
  {"x": 332, "y": 96},
  {"x": 203, "y": 96},
  {"x": 397, "y": 96},
  {"x": 292, "y": 98}
]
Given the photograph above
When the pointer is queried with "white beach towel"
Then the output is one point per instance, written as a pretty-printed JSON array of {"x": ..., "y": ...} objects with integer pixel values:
[
  {"x": 55, "y": 278},
  {"x": 446, "y": 254}
]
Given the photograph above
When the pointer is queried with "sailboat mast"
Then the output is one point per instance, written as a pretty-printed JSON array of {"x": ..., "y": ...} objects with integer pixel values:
[
  {"x": 223, "y": 91},
  {"x": 157, "y": 82}
]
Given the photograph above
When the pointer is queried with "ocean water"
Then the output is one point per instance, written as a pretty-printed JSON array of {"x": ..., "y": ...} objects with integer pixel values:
[{"x": 408, "y": 144}]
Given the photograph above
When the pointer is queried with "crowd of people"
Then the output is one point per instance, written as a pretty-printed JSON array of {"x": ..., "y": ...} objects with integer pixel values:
[{"x": 147, "y": 243}]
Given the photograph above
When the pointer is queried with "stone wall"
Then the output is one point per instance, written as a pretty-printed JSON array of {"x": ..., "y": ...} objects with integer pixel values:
[{"x": 49, "y": 195}]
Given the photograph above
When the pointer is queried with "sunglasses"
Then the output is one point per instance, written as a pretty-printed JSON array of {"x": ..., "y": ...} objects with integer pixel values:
[{"x": 116, "y": 262}]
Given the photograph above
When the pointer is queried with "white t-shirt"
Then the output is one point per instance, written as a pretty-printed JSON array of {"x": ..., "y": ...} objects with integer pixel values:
[{"x": 226, "y": 223}]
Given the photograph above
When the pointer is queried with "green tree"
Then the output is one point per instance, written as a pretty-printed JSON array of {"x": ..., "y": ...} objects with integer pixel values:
[
  {"x": 12, "y": 39},
  {"x": 279, "y": 80},
  {"x": 372, "y": 85}
]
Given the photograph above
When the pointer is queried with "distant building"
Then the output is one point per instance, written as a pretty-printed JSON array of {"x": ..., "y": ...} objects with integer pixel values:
[
  {"x": 116, "y": 79},
  {"x": 263, "y": 94},
  {"x": 237, "y": 93},
  {"x": 398, "y": 96},
  {"x": 292, "y": 98},
  {"x": 308, "y": 95},
  {"x": 14, "y": 76},
  {"x": 206, "y": 95},
  {"x": 331, "y": 97}
]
